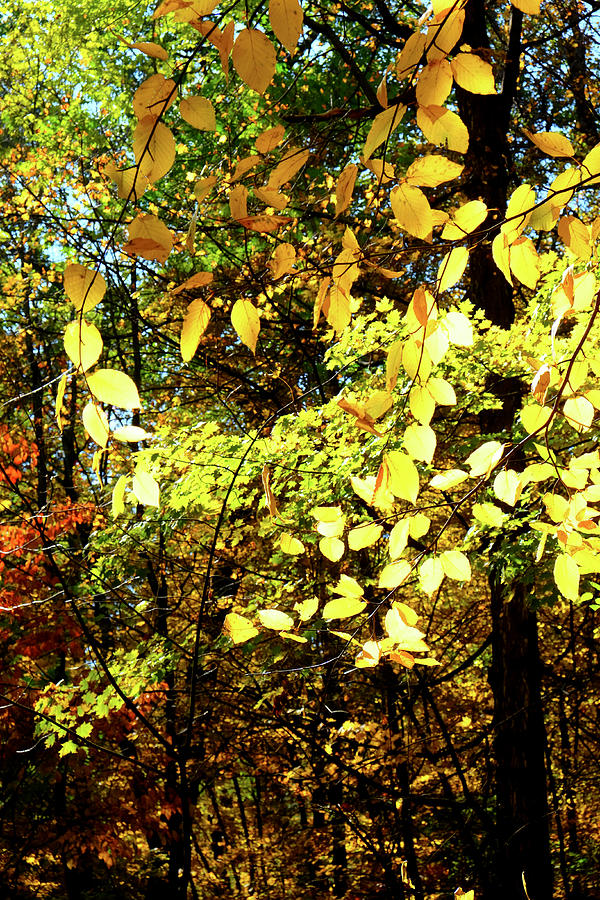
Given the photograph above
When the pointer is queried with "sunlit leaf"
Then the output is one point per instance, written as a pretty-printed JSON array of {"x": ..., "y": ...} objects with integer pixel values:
[
  {"x": 275, "y": 619},
  {"x": 473, "y": 73},
  {"x": 566, "y": 576},
  {"x": 286, "y": 18},
  {"x": 343, "y": 607},
  {"x": 84, "y": 287},
  {"x": 83, "y": 344},
  {"x": 456, "y": 565},
  {"x": 114, "y": 388},
  {"x": 291, "y": 545},
  {"x": 199, "y": 112},
  {"x": 246, "y": 321},
  {"x": 146, "y": 488},
  {"x": 195, "y": 324},
  {"x": 254, "y": 59},
  {"x": 239, "y": 628},
  {"x": 95, "y": 423}
]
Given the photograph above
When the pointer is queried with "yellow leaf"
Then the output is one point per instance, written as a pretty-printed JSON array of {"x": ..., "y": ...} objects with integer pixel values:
[
  {"x": 566, "y": 576},
  {"x": 442, "y": 391},
  {"x": 154, "y": 96},
  {"x": 489, "y": 515},
  {"x": 199, "y": 113},
  {"x": 254, "y": 59},
  {"x": 485, "y": 458},
  {"x": 419, "y": 525},
  {"x": 434, "y": 83},
  {"x": 579, "y": 413},
  {"x": 343, "y": 607},
  {"x": 130, "y": 183},
  {"x": 432, "y": 170},
  {"x": 331, "y": 520},
  {"x": 398, "y": 538},
  {"x": 501, "y": 255},
  {"x": 245, "y": 165},
  {"x": 444, "y": 31},
  {"x": 447, "y": 480},
  {"x": 118, "y": 496},
  {"x": 534, "y": 417},
  {"x": 348, "y": 587},
  {"x": 275, "y": 619},
  {"x": 440, "y": 126},
  {"x": 524, "y": 262},
  {"x": 283, "y": 260},
  {"x": 460, "y": 330},
  {"x": 264, "y": 224},
  {"x": 451, "y": 268},
  {"x": 291, "y": 545},
  {"x": 401, "y": 633},
  {"x": 286, "y": 18},
  {"x": 149, "y": 238},
  {"x": 403, "y": 475},
  {"x": 195, "y": 324},
  {"x": 203, "y": 187},
  {"x": 154, "y": 51},
  {"x": 238, "y": 202},
  {"x": 381, "y": 128},
  {"x": 332, "y": 548},
  {"x": 412, "y": 210},
  {"x": 415, "y": 359},
  {"x": 145, "y": 488},
  {"x": 131, "y": 434},
  {"x": 200, "y": 279},
  {"x": 465, "y": 220},
  {"x": 518, "y": 211},
  {"x": 590, "y": 167},
  {"x": 410, "y": 55},
  {"x": 96, "y": 423},
  {"x": 83, "y": 344},
  {"x": 153, "y": 148},
  {"x": 289, "y": 165},
  {"x": 576, "y": 236},
  {"x": 422, "y": 404},
  {"x": 507, "y": 486},
  {"x": 246, "y": 321},
  {"x": 307, "y": 608},
  {"x": 364, "y": 535},
  {"x": 84, "y": 287},
  {"x": 456, "y": 565},
  {"x": 60, "y": 396},
  {"x": 368, "y": 656},
  {"x": 395, "y": 574},
  {"x": 270, "y": 139},
  {"x": 338, "y": 312},
  {"x": 552, "y": 143},
  {"x": 275, "y": 199},
  {"x": 345, "y": 188},
  {"x": 114, "y": 388},
  {"x": 473, "y": 73},
  {"x": 431, "y": 575},
  {"x": 238, "y": 628},
  {"x": 419, "y": 442},
  {"x": 532, "y": 8}
]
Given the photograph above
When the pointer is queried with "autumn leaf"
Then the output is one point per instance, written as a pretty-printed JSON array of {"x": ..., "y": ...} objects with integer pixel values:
[
  {"x": 246, "y": 321},
  {"x": 254, "y": 59}
]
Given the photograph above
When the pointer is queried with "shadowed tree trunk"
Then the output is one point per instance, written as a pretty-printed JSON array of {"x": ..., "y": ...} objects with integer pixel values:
[{"x": 522, "y": 836}]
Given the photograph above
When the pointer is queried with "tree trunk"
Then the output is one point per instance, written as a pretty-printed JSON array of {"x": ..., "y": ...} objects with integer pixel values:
[{"x": 522, "y": 836}]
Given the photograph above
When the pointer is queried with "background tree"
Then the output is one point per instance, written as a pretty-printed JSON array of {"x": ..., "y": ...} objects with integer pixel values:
[{"x": 221, "y": 685}]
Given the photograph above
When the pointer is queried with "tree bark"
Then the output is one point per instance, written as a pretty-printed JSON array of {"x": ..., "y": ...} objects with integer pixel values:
[{"x": 522, "y": 835}]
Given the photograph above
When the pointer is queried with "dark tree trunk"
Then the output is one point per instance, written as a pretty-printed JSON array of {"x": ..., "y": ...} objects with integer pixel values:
[{"x": 522, "y": 835}]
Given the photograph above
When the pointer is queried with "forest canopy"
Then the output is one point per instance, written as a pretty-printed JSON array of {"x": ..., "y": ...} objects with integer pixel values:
[{"x": 299, "y": 465}]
